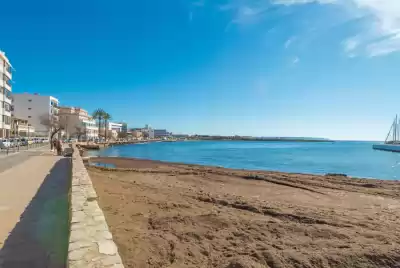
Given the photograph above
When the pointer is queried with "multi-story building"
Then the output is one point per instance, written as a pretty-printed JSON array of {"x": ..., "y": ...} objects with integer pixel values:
[
  {"x": 112, "y": 129},
  {"x": 5, "y": 96},
  {"x": 77, "y": 123},
  {"x": 136, "y": 133},
  {"x": 124, "y": 128},
  {"x": 161, "y": 133},
  {"x": 36, "y": 108},
  {"x": 117, "y": 127},
  {"x": 21, "y": 128},
  {"x": 148, "y": 131}
]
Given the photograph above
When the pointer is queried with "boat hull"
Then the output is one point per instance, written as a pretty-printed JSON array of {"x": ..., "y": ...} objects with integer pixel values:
[{"x": 387, "y": 147}]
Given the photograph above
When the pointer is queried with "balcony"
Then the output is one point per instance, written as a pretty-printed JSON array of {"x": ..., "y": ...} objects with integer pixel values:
[
  {"x": 54, "y": 104},
  {"x": 7, "y": 93},
  {"x": 8, "y": 72},
  {"x": 7, "y": 85}
]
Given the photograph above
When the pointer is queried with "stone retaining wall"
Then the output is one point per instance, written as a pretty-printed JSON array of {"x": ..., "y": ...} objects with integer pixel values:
[{"x": 90, "y": 242}]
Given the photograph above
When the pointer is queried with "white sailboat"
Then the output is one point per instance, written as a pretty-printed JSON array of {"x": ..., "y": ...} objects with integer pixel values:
[{"x": 392, "y": 142}]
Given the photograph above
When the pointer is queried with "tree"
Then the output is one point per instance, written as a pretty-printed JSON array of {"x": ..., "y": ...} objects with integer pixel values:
[
  {"x": 122, "y": 135},
  {"x": 106, "y": 118},
  {"x": 98, "y": 114},
  {"x": 54, "y": 125}
]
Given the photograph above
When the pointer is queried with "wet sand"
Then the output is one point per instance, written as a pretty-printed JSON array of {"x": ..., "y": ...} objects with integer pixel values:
[{"x": 176, "y": 215}]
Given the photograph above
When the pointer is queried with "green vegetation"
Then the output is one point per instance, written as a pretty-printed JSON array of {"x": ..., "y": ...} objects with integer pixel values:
[{"x": 102, "y": 117}]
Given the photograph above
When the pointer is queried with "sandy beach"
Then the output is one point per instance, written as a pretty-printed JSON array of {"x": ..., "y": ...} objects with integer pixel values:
[{"x": 176, "y": 215}]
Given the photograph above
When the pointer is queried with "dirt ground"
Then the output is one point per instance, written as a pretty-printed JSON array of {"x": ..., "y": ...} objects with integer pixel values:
[{"x": 174, "y": 215}]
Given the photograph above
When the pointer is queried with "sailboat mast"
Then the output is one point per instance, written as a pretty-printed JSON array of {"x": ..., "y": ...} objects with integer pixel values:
[{"x": 395, "y": 132}]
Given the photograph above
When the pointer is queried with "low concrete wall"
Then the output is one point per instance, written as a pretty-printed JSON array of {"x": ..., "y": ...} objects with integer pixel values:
[{"x": 90, "y": 242}]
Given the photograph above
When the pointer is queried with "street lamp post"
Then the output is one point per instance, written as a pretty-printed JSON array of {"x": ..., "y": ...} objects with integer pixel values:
[
  {"x": 28, "y": 135},
  {"x": 18, "y": 139}
]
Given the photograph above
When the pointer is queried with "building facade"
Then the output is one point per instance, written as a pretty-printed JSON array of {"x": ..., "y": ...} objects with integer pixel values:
[
  {"x": 117, "y": 127},
  {"x": 35, "y": 109},
  {"x": 21, "y": 128},
  {"x": 124, "y": 128},
  {"x": 161, "y": 133},
  {"x": 77, "y": 123},
  {"x": 148, "y": 132},
  {"x": 5, "y": 96},
  {"x": 136, "y": 133},
  {"x": 112, "y": 130}
]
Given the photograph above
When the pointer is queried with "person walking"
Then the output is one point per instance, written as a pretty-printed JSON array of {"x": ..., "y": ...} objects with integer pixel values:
[
  {"x": 59, "y": 147},
  {"x": 54, "y": 143}
]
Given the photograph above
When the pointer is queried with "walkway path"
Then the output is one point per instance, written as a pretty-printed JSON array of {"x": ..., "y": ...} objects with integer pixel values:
[{"x": 34, "y": 210}]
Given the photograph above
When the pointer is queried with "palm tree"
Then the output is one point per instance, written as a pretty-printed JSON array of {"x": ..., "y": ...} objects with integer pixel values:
[
  {"x": 106, "y": 118},
  {"x": 99, "y": 115}
]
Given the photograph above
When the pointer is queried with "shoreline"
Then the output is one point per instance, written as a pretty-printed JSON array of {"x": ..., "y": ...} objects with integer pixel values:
[
  {"x": 99, "y": 146},
  {"x": 125, "y": 163},
  {"x": 171, "y": 214}
]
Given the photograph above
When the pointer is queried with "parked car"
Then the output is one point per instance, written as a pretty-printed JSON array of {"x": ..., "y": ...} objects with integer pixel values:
[
  {"x": 23, "y": 142},
  {"x": 12, "y": 143},
  {"x": 4, "y": 144}
]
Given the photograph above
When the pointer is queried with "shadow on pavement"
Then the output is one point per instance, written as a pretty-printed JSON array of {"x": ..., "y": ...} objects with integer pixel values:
[{"x": 40, "y": 238}]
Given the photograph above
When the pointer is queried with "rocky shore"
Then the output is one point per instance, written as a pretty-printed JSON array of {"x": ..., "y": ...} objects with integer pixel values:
[{"x": 177, "y": 215}]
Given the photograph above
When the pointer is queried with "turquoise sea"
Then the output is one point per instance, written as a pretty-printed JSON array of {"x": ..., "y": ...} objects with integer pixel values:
[{"x": 356, "y": 159}]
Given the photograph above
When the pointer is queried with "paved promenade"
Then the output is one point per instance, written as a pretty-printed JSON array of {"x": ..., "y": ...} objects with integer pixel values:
[{"x": 34, "y": 209}]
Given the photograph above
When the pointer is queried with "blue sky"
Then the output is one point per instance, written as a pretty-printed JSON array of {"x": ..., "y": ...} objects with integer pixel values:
[{"x": 326, "y": 68}]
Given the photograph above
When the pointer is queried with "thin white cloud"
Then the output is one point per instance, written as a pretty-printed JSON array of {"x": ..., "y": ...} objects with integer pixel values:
[
  {"x": 289, "y": 41},
  {"x": 384, "y": 35},
  {"x": 350, "y": 44},
  {"x": 384, "y": 47},
  {"x": 380, "y": 20}
]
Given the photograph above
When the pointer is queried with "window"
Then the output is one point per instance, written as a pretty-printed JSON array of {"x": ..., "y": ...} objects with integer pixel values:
[
  {"x": 29, "y": 116},
  {"x": 6, "y": 119},
  {"x": 29, "y": 108},
  {"x": 7, "y": 107},
  {"x": 7, "y": 93},
  {"x": 30, "y": 100}
]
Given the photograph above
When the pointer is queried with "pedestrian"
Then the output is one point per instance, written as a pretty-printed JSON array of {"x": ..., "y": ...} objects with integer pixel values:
[
  {"x": 54, "y": 143},
  {"x": 59, "y": 147}
]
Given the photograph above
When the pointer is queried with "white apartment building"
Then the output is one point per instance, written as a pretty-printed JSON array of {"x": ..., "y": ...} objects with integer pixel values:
[
  {"x": 34, "y": 107},
  {"x": 5, "y": 95},
  {"x": 117, "y": 127},
  {"x": 78, "y": 123},
  {"x": 150, "y": 132},
  {"x": 114, "y": 129}
]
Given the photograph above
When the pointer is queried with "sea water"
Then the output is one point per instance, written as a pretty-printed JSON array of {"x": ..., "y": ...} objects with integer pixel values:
[{"x": 356, "y": 159}]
